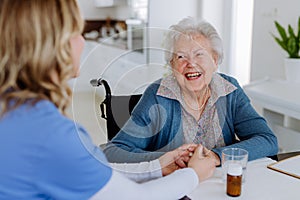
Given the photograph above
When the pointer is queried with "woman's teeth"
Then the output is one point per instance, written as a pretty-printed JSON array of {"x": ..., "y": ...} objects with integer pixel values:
[{"x": 193, "y": 75}]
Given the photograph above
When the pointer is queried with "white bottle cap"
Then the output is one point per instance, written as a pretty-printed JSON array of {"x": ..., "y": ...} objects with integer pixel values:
[{"x": 235, "y": 169}]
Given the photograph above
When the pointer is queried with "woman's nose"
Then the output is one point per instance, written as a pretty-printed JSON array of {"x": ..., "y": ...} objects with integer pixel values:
[{"x": 191, "y": 61}]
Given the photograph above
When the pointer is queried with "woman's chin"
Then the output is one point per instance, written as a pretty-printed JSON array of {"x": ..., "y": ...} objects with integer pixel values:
[{"x": 195, "y": 84}]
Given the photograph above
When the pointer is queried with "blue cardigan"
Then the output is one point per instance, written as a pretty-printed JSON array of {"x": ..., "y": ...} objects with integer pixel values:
[{"x": 155, "y": 127}]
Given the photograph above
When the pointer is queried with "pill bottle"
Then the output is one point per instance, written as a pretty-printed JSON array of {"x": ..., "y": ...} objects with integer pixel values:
[{"x": 234, "y": 180}]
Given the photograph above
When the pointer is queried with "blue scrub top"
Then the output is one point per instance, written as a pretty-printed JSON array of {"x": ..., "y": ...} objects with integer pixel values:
[{"x": 45, "y": 155}]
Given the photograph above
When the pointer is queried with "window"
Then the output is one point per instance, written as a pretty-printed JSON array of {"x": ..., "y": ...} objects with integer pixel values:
[{"x": 242, "y": 20}]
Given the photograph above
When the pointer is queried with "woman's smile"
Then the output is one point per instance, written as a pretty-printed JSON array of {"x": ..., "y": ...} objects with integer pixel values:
[{"x": 193, "y": 75}]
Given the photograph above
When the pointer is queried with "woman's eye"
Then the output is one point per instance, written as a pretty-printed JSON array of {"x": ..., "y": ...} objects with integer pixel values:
[
  {"x": 199, "y": 54},
  {"x": 180, "y": 56}
]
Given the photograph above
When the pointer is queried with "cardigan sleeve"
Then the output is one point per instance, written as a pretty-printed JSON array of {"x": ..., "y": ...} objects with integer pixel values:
[{"x": 251, "y": 129}]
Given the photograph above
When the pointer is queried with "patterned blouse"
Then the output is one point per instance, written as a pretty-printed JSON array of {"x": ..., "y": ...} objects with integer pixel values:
[{"x": 207, "y": 130}]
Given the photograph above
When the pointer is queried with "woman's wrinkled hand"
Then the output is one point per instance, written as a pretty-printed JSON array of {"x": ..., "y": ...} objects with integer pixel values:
[{"x": 176, "y": 159}]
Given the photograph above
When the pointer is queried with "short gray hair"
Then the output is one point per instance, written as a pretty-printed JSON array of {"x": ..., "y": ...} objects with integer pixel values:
[{"x": 189, "y": 26}]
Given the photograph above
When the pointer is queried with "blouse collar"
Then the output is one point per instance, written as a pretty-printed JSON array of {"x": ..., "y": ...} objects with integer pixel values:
[{"x": 219, "y": 87}]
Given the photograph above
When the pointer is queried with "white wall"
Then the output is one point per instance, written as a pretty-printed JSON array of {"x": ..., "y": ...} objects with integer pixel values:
[
  {"x": 219, "y": 14},
  {"x": 213, "y": 12},
  {"x": 267, "y": 56},
  {"x": 163, "y": 14}
]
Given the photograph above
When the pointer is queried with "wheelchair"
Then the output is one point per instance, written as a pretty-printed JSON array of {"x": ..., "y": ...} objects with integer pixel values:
[{"x": 115, "y": 109}]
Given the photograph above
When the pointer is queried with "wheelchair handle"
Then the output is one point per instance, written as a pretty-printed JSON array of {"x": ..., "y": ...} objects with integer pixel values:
[{"x": 100, "y": 81}]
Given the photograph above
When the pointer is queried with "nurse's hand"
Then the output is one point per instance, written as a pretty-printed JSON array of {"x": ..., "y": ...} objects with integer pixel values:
[{"x": 176, "y": 159}]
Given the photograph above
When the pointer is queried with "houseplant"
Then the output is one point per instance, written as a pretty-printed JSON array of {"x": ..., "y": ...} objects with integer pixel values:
[{"x": 290, "y": 42}]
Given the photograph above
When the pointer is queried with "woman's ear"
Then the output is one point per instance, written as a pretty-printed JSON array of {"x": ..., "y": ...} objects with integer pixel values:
[
  {"x": 171, "y": 62},
  {"x": 215, "y": 58}
]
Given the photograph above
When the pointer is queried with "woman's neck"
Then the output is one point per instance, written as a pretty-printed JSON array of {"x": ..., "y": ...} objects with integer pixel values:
[{"x": 196, "y": 101}]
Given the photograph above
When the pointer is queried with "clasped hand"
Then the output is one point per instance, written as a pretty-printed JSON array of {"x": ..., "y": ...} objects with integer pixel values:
[{"x": 202, "y": 160}]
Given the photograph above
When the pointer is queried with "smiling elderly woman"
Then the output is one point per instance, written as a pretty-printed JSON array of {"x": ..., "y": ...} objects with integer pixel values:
[{"x": 194, "y": 104}]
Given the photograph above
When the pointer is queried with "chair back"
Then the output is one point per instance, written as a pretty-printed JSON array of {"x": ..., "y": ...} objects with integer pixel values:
[{"x": 116, "y": 110}]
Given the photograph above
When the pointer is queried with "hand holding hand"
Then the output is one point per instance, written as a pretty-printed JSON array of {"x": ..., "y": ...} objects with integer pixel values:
[
  {"x": 203, "y": 165},
  {"x": 176, "y": 159},
  {"x": 212, "y": 155}
]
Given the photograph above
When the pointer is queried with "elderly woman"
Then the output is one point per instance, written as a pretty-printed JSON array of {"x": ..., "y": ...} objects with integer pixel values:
[{"x": 194, "y": 104}]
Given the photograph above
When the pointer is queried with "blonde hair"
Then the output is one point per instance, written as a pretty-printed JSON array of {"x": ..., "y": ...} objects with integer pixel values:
[{"x": 35, "y": 44}]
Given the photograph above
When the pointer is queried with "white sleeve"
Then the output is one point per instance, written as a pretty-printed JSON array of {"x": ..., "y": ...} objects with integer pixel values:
[
  {"x": 139, "y": 172},
  {"x": 173, "y": 186}
]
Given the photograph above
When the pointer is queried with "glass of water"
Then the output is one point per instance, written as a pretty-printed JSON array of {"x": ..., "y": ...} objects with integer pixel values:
[{"x": 234, "y": 156}]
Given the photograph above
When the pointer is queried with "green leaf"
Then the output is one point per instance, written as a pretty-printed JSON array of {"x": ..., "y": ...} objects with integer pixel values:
[
  {"x": 298, "y": 45},
  {"x": 290, "y": 39},
  {"x": 281, "y": 43},
  {"x": 299, "y": 29},
  {"x": 281, "y": 31},
  {"x": 291, "y": 31},
  {"x": 292, "y": 47}
]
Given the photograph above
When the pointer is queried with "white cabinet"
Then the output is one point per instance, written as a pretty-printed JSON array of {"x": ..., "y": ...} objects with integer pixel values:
[{"x": 280, "y": 103}]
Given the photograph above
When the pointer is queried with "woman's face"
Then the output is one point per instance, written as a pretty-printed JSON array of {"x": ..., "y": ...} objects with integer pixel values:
[
  {"x": 193, "y": 63},
  {"x": 77, "y": 44}
]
